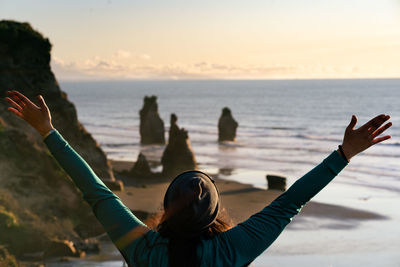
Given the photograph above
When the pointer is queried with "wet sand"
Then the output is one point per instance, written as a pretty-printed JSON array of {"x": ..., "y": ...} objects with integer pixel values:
[{"x": 239, "y": 200}]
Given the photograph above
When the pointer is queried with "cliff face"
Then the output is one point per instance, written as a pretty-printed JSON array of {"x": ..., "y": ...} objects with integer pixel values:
[
  {"x": 38, "y": 202},
  {"x": 24, "y": 66}
]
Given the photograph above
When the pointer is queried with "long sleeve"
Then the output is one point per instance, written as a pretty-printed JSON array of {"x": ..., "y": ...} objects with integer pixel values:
[
  {"x": 243, "y": 243},
  {"x": 116, "y": 218}
]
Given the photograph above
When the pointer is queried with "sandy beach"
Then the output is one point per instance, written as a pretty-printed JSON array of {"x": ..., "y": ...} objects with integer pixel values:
[{"x": 240, "y": 200}]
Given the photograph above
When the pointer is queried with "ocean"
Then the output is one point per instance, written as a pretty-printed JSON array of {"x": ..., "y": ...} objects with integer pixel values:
[{"x": 286, "y": 127}]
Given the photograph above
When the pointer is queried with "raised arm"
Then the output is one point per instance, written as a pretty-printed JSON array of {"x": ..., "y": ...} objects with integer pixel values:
[
  {"x": 119, "y": 222},
  {"x": 243, "y": 243}
]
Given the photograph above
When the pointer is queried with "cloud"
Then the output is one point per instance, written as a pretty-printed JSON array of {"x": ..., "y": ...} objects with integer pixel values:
[
  {"x": 144, "y": 57},
  {"x": 122, "y": 54},
  {"x": 117, "y": 68}
]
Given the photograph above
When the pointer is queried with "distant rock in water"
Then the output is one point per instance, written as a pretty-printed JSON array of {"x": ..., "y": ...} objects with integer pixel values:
[
  {"x": 227, "y": 126},
  {"x": 38, "y": 201},
  {"x": 276, "y": 182},
  {"x": 173, "y": 129},
  {"x": 151, "y": 125},
  {"x": 141, "y": 167},
  {"x": 178, "y": 156}
]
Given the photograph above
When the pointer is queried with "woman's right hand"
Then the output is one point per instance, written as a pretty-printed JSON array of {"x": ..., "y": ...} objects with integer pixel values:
[
  {"x": 358, "y": 140},
  {"x": 38, "y": 117}
]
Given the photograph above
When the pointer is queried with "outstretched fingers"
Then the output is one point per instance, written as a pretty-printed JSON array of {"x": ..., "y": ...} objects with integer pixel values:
[
  {"x": 16, "y": 99},
  {"x": 16, "y": 112},
  {"x": 13, "y": 104},
  {"x": 23, "y": 100},
  {"x": 381, "y": 130},
  {"x": 380, "y": 139},
  {"x": 375, "y": 123}
]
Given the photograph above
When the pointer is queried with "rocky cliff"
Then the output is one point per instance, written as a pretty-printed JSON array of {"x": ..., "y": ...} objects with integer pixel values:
[
  {"x": 38, "y": 203},
  {"x": 24, "y": 66}
]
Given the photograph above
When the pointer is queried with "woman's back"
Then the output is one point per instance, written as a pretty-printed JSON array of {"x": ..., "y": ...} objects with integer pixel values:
[{"x": 241, "y": 244}]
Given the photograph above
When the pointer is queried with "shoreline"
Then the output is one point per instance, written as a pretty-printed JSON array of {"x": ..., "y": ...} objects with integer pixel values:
[{"x": 239, "y": 200}]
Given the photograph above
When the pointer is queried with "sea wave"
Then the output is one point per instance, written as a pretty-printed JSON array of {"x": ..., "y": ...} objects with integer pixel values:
[
  {"x": 116, "y": 145},
  {"x": 391, "y": 144},
  {"x": 283, "y": 128},
  {"x": 319, "y": 138}
]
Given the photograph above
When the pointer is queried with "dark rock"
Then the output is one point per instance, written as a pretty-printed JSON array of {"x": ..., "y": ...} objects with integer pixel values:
[
  {"x": 227, "y": 126},
  {"x": 151, "y": 125},
  {"x": 61, "y": 248},
  {"x": 6, "y": 259},
  {"x": 276, "y": 182},
  {"x": 178, "y": 156},
  {"x": 226, "y": 171},
  {"x": 24, "y": 66},
  {"x": 141, "y": 167},
  {"x": 88, "y": 245},
  {"x": 114, "y": 185},
  {"x": 40, "y": 201},
  {"x": 173, "y": 129},
  {"x": 141, "y": 214},
  {"x": 88, "y": 226}
]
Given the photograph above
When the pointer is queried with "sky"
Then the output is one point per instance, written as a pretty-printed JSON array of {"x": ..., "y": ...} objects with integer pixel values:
[{"x": 219, "y": 39}]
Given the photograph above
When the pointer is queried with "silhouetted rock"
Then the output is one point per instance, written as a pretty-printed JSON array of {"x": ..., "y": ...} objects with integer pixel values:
[
  {"x": 88, "y": 245},
  {"x": 62, "y": 248},
  {"x": 6, "y": 259},
  {"x": 114, "y": 185},
  {"x": 30, "y": 178},
  {"x": 276, "y": 182},
  {"x": 227, "y": 126},
  {"x": 24, "y": 66},
  {"x": 178, "y": 156},
  {"x": 141, "y": 167},
  {"x": 151, "y": 125},
  {"x": 173, "y": 129}
]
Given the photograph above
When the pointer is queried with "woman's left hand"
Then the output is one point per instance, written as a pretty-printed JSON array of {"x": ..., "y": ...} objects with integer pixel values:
[
  {"x": 358, "y": 140},
  {"x": 38, "y": 117}
]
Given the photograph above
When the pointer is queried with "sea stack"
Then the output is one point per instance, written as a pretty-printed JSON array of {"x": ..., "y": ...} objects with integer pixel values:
[
  {"x": 141, "y": 167},
  {"x": 151, "y": 125},
  {"x": 178, "y": 156},
  {"x": 227, "y": 126}
]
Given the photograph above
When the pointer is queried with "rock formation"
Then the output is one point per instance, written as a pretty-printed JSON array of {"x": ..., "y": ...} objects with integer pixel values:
[
  {"x": 178, "y": 156},
  {"x": 276, "y": 182},
  {"x": 227, "y": 126},
  {"x": 141, "y": 167},
  {"x": 173, "y": 129},
  {"x": 151, "y": 125},
  {"x": 6, "y": 259},
  {"x": 38, "y": 202},
  {"x": 24, "y": 66}
]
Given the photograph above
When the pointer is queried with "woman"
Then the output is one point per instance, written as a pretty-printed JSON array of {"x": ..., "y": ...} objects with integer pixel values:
[{"x": 190, "y": 233}]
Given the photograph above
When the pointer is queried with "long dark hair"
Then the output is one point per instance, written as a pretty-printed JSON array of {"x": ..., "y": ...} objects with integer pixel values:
[{"x": 182, "y": 252}]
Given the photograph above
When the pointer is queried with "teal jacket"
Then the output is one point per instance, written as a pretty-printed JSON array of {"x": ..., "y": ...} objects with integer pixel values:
[{"x": 141, "y": 246}]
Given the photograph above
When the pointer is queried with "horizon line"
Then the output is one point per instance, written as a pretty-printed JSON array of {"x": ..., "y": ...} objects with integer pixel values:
[{"x": 224, "y": 79}]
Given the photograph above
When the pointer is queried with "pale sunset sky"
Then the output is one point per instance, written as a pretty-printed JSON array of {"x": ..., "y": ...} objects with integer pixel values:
[{"x": 219, "y": 39}]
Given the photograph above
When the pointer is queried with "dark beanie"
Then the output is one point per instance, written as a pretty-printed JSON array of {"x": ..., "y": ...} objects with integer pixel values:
[{"x": 191, "y": 203}]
